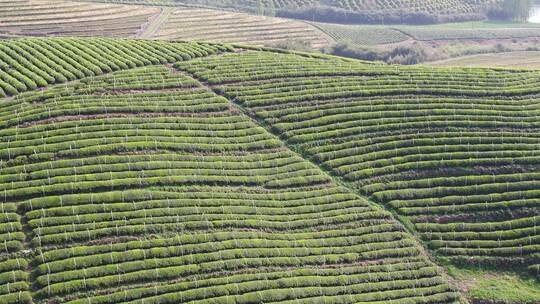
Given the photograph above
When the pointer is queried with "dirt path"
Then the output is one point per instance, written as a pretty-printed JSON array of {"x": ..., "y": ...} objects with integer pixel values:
[{"x": 153, "y": 26}]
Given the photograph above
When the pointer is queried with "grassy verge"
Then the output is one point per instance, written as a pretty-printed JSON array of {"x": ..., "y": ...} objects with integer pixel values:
[{"x": 484, "y": 286}]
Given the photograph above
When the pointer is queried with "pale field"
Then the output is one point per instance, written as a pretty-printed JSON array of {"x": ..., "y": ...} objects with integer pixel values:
[{"x": 520, "y": 59}]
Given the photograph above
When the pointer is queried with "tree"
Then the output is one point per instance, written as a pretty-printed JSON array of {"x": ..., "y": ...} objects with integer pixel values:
[
  {"x": 260, "y": 7},
  {"x": 271, "y": 8},
  {"x": 518, "y": 10}
]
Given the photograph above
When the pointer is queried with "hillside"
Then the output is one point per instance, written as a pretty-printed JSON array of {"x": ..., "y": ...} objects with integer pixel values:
[
  {"x": 145, "y": 185},
  {"x": 76, "y": 18},
  {"x": 71, "y": 18},
  {"x": 452, "y": 151},
  {"x": 152, "y": 172},
  {"x": 407, "y": 44},
  {"x": 163, "y": 21},
  {"x": 195, "y": 24},
  {"x": 347, "y": 11},
  {"x": 529, "y": 59}
]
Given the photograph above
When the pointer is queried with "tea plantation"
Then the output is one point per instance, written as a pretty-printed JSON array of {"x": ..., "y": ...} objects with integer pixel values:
[
  {"x": 454, "y": 152},
  {"x": 71, "y": 18},
  {"x": 124, "y": 179},
  {"x": 435, "y": 7},
  {"x": 137, "y": 171}
]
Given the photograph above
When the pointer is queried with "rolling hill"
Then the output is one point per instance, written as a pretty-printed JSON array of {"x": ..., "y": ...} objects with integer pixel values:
[
  {"x": 163, "y": 158},
  {"x": 71, "y": 18},
  {"x": 158, "y": 20},
  {"x": 452, "y": 151},
  {"x": 127, "y": 179},
  {"x": 137, "y": 171},
  {"x": 39, "y": 18},
  {"x": 529, "y": 59},
  {"x": 346, "y": 11},
  {"x": 196, "y": 24}
]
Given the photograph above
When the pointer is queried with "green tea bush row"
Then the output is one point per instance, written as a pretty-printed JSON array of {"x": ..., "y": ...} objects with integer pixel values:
[
  {"x": 200, "y": 254},
  {"x": 14, "y": 281},
  {"x": 89, "y": 232},
  {"x": 237, "y": 261},
  {"x": 237, "y": 280},
  {"x": 68, "y": 258},
  {"x": 292, "y": 196},
  {"x": 362, "y": 291}
]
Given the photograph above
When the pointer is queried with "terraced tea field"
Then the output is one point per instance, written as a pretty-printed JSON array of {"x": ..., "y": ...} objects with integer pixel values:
[
  {"x": 71, "y": 18},
  {"x": 436, "y": 7},
  {"x": 530, "y": 60},
  {"x": 436, "y": 33},
  {"x": 135, "y": 171},
  {"x": 445, "y": 7},
  {"x": 364, "y": 35},
  {"x": 194, "y": 24},
  {"x": 75, "y": 18},
  {"x": 33, "y": 63},
  {"x": 453, "y": 151},
  {"x": 136, "y": 183},
  {"x": 187, "y": 23}
]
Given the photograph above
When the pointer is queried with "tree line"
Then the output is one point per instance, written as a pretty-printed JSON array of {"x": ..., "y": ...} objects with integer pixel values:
[{"x": 514, "y": 10}]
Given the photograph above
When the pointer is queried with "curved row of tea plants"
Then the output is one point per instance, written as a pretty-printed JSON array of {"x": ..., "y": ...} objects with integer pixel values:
[
  {"x": 454, "y": 151},
  {"x": 14, "y": 282}
]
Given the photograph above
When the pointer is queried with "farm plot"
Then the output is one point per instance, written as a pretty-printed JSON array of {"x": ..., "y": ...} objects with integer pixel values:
[
  {"x": 363, "y": 34},
  {"x": 437, "y": 33},
  {"x": 71, "y": 18},
  {"x": 145, "y": 186},
  {"x": 445, "y": 7},
  {"x": 27, "y": 64},
  {"x": 220, "y": 26},
  {"x": 455, "y": 151},
  {"x": 435, "y": 7},
  {"x": 526, "y": 59},
  {"x": 246, "y": 5}
]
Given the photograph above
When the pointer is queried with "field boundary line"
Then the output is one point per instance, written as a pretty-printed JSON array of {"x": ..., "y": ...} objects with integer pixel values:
[{"x": 153, "y": 26}]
